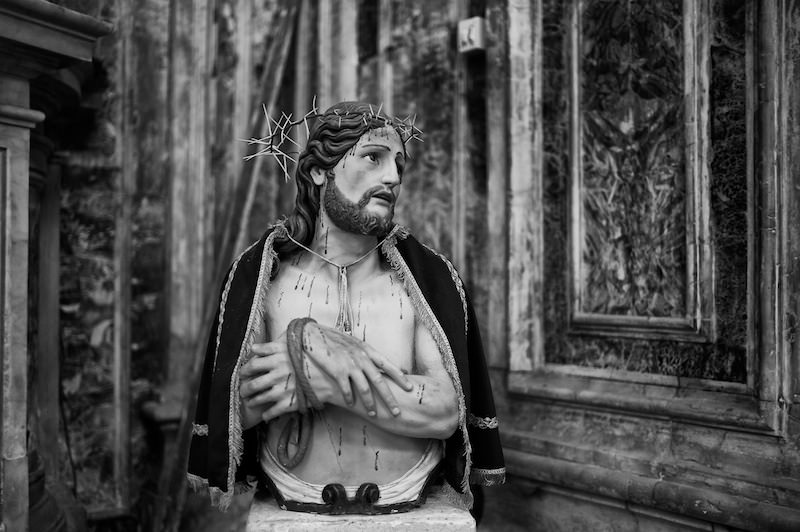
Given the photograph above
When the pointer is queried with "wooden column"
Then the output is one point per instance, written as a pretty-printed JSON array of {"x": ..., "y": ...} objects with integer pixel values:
[
  {"x": 497, "y": 176},
  {"x": 525, "y": 263},
  {"x": 337, "y": 52}
]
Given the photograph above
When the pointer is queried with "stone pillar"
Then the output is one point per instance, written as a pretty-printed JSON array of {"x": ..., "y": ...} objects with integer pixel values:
[
  {"x": 16, "y": 121},
  {"x": 38, "y": 37}
]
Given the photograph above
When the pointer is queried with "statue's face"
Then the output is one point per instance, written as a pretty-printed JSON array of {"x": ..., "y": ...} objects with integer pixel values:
[{"x": 360, "y": 194}]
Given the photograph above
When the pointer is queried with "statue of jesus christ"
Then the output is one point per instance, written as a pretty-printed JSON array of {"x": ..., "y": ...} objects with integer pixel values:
[{"x": 350, "y": 364}]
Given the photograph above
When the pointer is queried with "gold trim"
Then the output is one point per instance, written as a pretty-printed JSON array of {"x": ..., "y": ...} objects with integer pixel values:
[
  {"x": 488, "y": 477},
  {"x": 199, "y": 430},
  {"x": 482, "y": 422},
  {"x": 235, "y": 444},
  {"x": 427, "y": 317},
  {"x": 457, "y": 281},
  {"x": 224, "y": 300}
]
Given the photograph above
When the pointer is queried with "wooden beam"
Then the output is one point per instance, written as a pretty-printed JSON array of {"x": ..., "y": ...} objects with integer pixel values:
[
  {"x": 770, "y": 233},
  {"x": 525, "y": 241},
  {"x": 460, "y": 161},
  {"x": 385, "y": 65},
  {"x": 345, "y": 63},
  {"x": 325, "y": 54},
  {"x": 497, "y": 175}
]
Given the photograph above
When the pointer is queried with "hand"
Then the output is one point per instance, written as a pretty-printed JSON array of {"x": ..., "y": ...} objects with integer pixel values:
[
  {"x": 267, "y": 384},
  {"x": 346, "y": 359}
]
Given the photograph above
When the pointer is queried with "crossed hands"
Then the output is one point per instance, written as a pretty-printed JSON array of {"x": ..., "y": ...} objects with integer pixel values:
[{"x": 339, "y": 367}]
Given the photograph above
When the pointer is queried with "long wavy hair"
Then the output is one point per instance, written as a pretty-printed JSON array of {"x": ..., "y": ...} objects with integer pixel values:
[{"x": 331, "y": 136}]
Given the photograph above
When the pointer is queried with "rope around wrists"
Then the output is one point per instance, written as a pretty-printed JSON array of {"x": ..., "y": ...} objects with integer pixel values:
[
  {"x": 303, "y": 420},
  {"x": 294, "y": 343}
]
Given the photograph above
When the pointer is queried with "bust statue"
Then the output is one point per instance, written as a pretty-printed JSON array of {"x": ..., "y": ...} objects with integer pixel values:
[{"x": 346, "y": 368}]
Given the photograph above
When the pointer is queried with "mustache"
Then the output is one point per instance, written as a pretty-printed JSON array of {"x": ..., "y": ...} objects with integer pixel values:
[{"x": 375, "y": 191}]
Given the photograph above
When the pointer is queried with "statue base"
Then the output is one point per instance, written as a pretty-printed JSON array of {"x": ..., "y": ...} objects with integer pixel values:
[{"x": 438, "y": 514}]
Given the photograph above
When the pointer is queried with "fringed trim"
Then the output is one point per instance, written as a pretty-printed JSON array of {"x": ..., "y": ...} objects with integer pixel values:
[
  {"x": 488, "y": 477},
  {"x": 196, "y": 483},
  {"x": 224, "y": 299},
  {"x": 427, "y": 317},
  {"x": 482, "y": 422},
  {"x": 199, "y": 430},
  {"x": 235, "y": 443},
  {"x": 459, "y": 500},
  {"x": 457, "y": 281},
  {"x": 218, "y": 497}
]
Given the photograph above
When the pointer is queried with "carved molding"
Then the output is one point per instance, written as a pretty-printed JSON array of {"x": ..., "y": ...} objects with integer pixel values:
[
  {"x": 702, "y": 503},
  {"x": 60, "y": 33},
  {"x": 20, "y": 116},
  {"x": 769, "y": 373},
  {"x": 695, "y": 321}
]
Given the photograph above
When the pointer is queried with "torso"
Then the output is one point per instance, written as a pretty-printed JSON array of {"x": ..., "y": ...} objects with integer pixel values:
[{"x": 346, "y": 448}]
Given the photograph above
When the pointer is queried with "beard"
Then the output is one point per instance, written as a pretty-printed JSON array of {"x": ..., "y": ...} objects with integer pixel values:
[{"x": 353, "y": 217}]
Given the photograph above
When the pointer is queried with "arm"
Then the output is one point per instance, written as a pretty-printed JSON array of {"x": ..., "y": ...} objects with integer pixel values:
[
  {"x": 429, "y": 409},
  {"x": 268, "y": 386}
]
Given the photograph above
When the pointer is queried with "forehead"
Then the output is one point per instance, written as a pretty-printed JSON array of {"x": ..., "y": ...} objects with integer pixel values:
[{"x": 384, "y": 136}]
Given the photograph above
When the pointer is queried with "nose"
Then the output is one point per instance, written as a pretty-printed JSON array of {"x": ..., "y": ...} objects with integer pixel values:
[{"x": 391, "y": 177}]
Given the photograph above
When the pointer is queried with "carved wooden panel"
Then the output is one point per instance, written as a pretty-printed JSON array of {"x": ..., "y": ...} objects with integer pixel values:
[
  {"x": 647, "y": 230},
  {"x": 638, "y": 169}
]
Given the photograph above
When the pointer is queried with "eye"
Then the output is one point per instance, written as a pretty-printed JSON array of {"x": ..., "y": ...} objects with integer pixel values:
[{"x": 372, "y": 157}]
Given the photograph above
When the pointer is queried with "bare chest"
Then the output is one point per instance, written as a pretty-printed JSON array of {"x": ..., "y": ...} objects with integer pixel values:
[{"x": 382, "y": 313}]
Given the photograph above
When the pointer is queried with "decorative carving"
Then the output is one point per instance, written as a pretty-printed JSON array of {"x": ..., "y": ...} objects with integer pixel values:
[
  {"x": 663, "y": 342},
  {"x": 632, "y": 197}
]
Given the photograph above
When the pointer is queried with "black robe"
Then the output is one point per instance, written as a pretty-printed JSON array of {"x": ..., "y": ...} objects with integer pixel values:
[{"x": 223, "y": 458}]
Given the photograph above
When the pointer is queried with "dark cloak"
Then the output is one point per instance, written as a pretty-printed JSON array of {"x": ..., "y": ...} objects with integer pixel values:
[{"x": 223, "y": 458}]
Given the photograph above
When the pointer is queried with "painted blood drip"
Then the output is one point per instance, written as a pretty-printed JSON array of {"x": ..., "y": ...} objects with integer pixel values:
[
  {"x": 297, "y": 283},
  {"x": 364, "y": 333},
  {"x": 401, "y": 307},
  {"x": 291, "y": 399},
  {"x": 327, "y": 294},
  {"x": 364, "y": 432},
  {"x": 376, "y": 460},
  {"x": 421, "y": 394},
  {"x": 286, "y": 385},
  {"x": 307, "y": 342},
  {"x": 280, "y": 298},
  {"x": 311, "y": 304},
  {"x": 358, "y": 318},
  {"x": 312, "y": 285},
  {"x": 340, "y": 441},
  {"x": 325, "y": 250}
]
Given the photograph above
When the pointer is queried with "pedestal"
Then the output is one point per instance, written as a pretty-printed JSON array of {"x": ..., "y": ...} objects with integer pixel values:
[{"x": 436, "y": 515}]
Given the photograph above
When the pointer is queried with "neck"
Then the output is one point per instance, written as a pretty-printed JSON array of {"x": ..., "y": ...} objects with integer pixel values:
[{"x": 343, "y": 247}]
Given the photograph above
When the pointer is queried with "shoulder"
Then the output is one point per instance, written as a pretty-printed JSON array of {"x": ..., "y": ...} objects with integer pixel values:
[{"x": 412, "y": 248}]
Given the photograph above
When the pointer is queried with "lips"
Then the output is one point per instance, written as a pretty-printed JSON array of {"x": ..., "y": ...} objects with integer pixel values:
[{"x": 384, "y": 195}]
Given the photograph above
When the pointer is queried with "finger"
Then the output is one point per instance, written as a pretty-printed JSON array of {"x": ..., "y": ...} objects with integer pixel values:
[
  {"x": 364, "y": 391},
  {"x": 273, "y": 395},
  {"x": 268, "y": 348},
  {"x": 281, "y": 379},
  {"x": 370, "y": 371},
  {"x": 261, "y": 365},
  {"x": 384, "y": 392},
  {"x": 390, "y": 369},
  {"x": 284, "y": 406},
  {"x": 343, "y": 381}
]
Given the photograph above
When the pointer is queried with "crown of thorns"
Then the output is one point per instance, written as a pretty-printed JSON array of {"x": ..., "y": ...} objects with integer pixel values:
[{"x": 279, "y": 138}]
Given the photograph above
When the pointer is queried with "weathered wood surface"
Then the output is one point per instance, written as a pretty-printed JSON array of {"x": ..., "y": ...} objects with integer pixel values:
[
  {"x": 525, "y": 342},
  {"x": 495, "y": 320}
]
